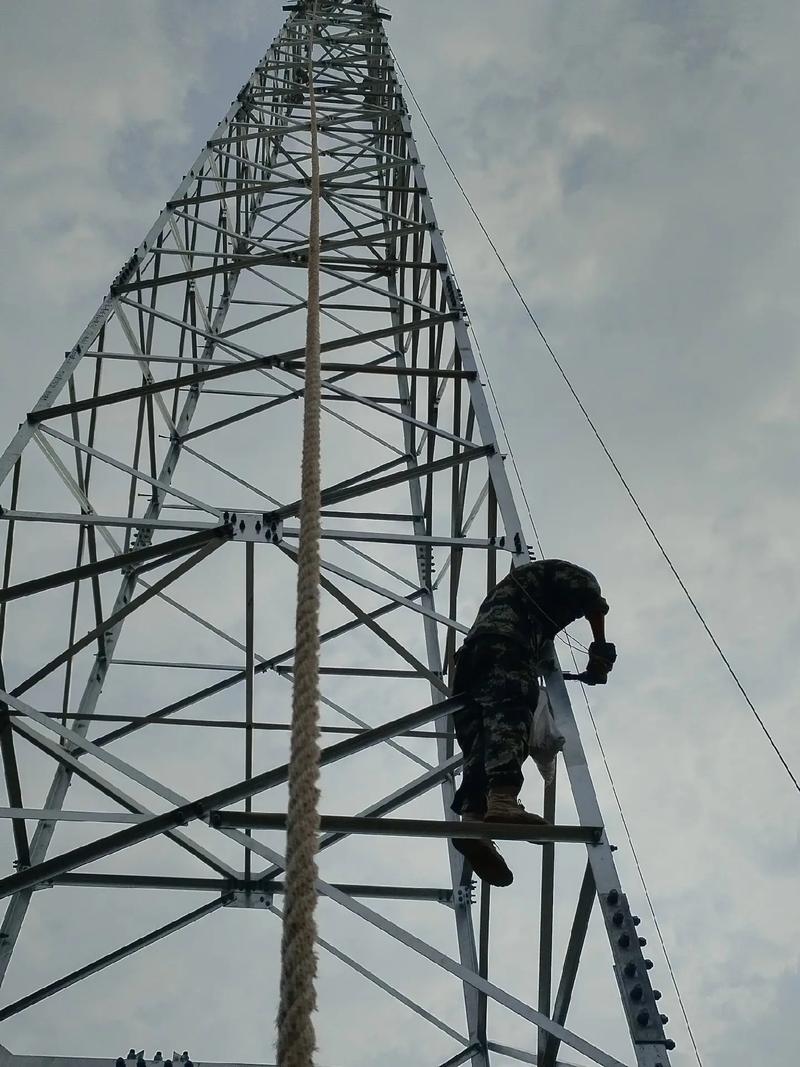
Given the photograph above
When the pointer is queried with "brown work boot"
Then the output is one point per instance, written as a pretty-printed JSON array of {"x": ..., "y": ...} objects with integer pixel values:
[
  {"x": 483, "y": 855},
  {"x": 504, "y": 806}
]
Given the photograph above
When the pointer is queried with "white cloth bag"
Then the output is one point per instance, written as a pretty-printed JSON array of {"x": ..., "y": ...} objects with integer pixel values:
[{"x": 546, "y": 740}]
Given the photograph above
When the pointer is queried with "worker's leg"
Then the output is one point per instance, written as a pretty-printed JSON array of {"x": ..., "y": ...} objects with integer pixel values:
[
  {"x": 468, "y": 722},
  {"x": 505, "y": 690},
  {"x": 470, "y": 797}
]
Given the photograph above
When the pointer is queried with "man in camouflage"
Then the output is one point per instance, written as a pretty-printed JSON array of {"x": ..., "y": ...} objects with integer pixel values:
[{"x": 497, "y": 670}]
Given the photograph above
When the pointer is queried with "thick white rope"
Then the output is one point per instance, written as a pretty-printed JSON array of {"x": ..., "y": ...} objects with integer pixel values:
[{"x": 296, "y": 1042}]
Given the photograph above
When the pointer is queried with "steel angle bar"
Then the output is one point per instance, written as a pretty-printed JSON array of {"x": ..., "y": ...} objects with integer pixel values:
[
  {"x": 264, "y": 665},
  {"x": 505, "y": 498},
  {"x": 249, "y": 680},
  {"x": 404, "y": 601},
  {"x": 108, "y": 624},
  {"x": 406, "y": 793},
  {"x": 360, "y": 672},
  {"x": 390, "y": 742},
  {"x": 465, "y": 527},
  {"x": 12, "y": 781},
  {"x": 186, "y": 665},
  {"x": 419, "y": 668},
  {"x": 401, "y": 998},
  {"x": 206, "y": 224},
  {"x": 180, "y": 546},
  {"x": 185, "y": 256},
  {"x": 409, "y": 372},
  {"x": 59, "y": 815},
  {"x": 461, "y": 1057},
  {"x": 348, "y": 287},
  {"x": 276, "y": 400},
  {"x": 17, "y": 909},
  {"x": 250, "y": 361},
  {"x": 121, "y": 521},
  {"x": 399, "y": 415},
  {"x": 201, "y": 808},
  {"x": 113, "y": 792},
  {"x": 112, "y": 957},
  {"x": 351, "y": 824},
  {"x": 230, "y": 474},
  {"x": 7, "y": 749},
  {"x": 218, "y": 687},
  {"x": 111, "y": 880},
  {"x": 8, "y": 553},
  {"x": 145, "y": 368},
  {"x": 354, "y": 479},
  {"x": 72, "y": 485},
  {"x": 420, "y": 894},
  {"x": 380, "y": 537},
  {"x": 98, "y": 320},
  {"x": 569, "y": 972},
  {"x": 254, "y": 188},
  {"x": 235, "y": 261},
  {"x": 546, "y": 911},
  {"x": 127, "y": 469},
  {"x": 647, "y": 1037},
  {"x": 8, "y": 1059},
  {"x": 350, "y": 492},
  {"x": 521, "y": 1056},
  {"x": 483, "y": 958},
  {"x": 435, "y": 956},
  {"x": 229, "y": 724}
]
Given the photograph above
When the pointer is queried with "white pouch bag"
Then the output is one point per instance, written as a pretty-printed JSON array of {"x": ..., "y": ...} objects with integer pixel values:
[{"x": 546, "y": 740}]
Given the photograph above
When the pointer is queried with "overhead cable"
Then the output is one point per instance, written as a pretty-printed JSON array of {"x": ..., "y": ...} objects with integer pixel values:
[{"x": 602, "y": 443}]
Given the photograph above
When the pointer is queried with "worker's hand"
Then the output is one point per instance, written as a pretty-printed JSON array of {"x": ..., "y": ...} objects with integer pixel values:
[
  {"x": 590, "y": 677},
  {"x": 602, "y": 656}
]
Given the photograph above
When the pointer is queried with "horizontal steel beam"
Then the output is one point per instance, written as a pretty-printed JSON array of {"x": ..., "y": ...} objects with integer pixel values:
[
  {"x": 253, "y": 363},
  {"x": 223, "y": 724},
  {"x": 352, "y": 824},
  {"x": 335, "y": 496},
  {"x": 179, "y": 546},
  {"x": 440, "y": 895},
  {"x": 202, "y": 808}
]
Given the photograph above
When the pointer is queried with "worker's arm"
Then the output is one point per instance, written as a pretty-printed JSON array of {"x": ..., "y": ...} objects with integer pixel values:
[
  {"x": 597, "y": 621},
  {"x": 602, "y": 654}
]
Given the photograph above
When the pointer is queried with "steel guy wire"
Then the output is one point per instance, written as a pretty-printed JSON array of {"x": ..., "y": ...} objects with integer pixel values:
[
  {"x": 596, "y": 432},
  {"x": 647, "y": 523},
  {"x": 635, "y": 855}
]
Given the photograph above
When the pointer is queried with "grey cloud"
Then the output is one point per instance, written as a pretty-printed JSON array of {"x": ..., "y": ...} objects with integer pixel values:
[{"x": 636, "y": 165}]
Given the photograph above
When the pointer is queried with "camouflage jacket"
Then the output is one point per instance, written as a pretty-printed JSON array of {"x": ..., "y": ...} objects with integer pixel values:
[{"x": 538, "y": 599}]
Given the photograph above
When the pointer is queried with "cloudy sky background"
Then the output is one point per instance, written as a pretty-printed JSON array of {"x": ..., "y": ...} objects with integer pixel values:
[{"x": 636, "y": 164}]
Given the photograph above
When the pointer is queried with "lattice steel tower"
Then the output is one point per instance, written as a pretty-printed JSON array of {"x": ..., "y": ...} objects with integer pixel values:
[{"x": 149, "y": 514}]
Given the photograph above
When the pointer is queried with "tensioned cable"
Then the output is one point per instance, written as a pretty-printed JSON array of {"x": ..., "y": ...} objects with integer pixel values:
[
  {"x": 569, "y": 640},
  {"x": 505, "y": 435},
  {"x": 600, "y": 440},
  {"x": 635, "y": 855}
]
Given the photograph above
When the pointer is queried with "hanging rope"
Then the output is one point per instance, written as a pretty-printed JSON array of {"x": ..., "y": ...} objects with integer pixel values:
[{"x": 296, "y": 1041}]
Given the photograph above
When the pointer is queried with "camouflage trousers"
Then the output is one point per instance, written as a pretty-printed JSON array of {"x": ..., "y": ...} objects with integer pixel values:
[{"x": 499, "y": 680}]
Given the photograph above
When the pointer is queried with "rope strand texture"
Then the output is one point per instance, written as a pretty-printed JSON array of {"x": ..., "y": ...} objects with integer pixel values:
[{"x": 296, "y": 1040}]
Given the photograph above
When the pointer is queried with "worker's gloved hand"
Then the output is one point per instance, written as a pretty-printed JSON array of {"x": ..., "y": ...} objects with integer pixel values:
[
  {"x": 602, "y": 656},
  {"x": 592, "y": 677}
]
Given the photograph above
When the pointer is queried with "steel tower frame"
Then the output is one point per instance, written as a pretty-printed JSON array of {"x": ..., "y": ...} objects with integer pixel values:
[{"x": 103, "y": 524}]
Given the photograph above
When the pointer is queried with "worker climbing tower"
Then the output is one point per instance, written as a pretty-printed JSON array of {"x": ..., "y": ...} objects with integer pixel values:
[{"x": 150, "y": 503}]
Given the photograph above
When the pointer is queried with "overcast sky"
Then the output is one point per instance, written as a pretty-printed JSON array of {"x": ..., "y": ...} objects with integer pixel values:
[{"x": 636, "y": 164}]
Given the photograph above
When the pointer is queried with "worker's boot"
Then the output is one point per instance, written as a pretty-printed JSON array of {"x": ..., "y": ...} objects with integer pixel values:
[
  {"x": 482, "y": 855},
  {"x": 503, "y": 805}
]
